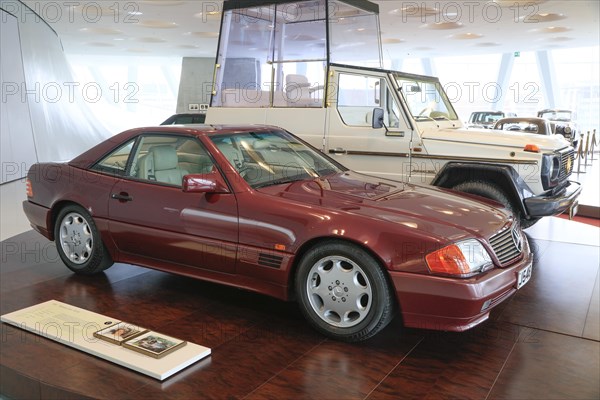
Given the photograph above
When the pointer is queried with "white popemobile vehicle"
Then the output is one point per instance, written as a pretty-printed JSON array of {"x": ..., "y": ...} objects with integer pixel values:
[{"x": 300, "y": 65}]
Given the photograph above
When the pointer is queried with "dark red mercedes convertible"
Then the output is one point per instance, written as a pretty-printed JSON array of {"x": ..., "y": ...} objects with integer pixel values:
[{"x": 257, "y": 208}]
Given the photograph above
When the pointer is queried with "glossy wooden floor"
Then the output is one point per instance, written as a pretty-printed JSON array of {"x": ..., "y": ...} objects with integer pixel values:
[{"x": 543, "y": 343}]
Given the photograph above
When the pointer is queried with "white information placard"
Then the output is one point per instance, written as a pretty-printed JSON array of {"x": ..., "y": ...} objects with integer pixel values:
[{"x": 75, "y": 327}]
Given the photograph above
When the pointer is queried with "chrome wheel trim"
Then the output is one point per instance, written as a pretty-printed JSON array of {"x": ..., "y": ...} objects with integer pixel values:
[
  {"x": 339, "y": 291},
  {"x": 76, "y": 238}
]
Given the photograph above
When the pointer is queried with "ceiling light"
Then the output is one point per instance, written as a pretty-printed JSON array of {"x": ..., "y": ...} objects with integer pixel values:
[
  {"x": 210, "y": 14},
  {"x": 554, "y": 29},
  {"x": 151, "y": 40},
  {"x": 158, "y": 24},
  {"x": 560, "y": 39},
  {"x": 392, "y": 41},
  {"x": 203, "y": 34},
  {"x": 162, "y": 2},
  {"x": 101, "y": 31},
  {"x": 414, "y": 11},
  {"x": 101, "y": 44},
  {"x": 521, "y": 3},
  {"x": 487, "y": 44},
  {"x": 545, "y": 17},
  {"x": 466, "y": 36},
  {"x": 443, "y": 25}
]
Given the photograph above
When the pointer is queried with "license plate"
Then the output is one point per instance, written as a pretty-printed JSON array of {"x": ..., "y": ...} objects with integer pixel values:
[
  {"x": 524, "y": 275},
  {"x": 573, "y": 210}
]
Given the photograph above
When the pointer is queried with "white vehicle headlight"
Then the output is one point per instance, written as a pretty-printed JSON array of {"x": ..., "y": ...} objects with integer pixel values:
[
  {"x": 475, "y": 254},
  {"x": 463, "y": 258}
]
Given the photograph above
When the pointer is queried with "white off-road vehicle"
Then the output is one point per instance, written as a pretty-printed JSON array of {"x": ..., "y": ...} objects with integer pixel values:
[{"x": 301, "y": 65}]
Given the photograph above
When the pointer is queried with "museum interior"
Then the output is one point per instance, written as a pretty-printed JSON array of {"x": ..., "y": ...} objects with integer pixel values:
[{"x": 467, "y": 123}]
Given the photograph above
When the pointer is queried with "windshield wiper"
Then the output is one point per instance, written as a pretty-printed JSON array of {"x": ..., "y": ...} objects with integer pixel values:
[
  {"x": 423, "y": 118},
  {"x": 278, "y": 182}
]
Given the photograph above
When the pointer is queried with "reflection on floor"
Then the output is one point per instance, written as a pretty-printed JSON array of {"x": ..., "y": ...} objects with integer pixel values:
[
  {"x": 544, "y": 342},
  {"x": 589, "y": 177}
]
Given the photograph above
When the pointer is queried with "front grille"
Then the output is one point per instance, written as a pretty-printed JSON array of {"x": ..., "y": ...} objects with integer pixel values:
[
  {"x": 567, "y": 161},
  {"x": 505, "y": 244}
]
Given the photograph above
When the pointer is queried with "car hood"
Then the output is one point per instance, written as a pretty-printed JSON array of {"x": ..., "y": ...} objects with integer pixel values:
[
  {"x": 439, "y": 212},
  {"x": 546, "y": 143}
]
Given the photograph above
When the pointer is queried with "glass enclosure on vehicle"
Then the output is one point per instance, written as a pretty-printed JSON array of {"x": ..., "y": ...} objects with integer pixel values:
[{"x": 276, "y": 55}]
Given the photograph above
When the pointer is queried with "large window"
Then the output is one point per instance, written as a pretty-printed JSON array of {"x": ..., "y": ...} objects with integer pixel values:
[
  {"x": 470, "y": 82},
  {"x": 127, "y": 92},
  {"x": 577, "y": 73}
]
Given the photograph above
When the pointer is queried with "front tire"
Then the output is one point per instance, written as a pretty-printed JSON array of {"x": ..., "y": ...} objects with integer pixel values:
[
  {"x": 79, "y": 243},
  {"x": 491, "y": 191},
  {"x": 343, "y": 292}
]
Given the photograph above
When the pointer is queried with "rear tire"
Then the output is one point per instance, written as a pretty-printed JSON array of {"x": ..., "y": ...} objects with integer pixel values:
[
  {"x": 79, "y": 243},
  {"x": 491, "y": 191},
  {"x": 344, "y": 292}
]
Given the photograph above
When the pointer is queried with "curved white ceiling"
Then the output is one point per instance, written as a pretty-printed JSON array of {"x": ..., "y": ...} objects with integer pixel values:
[{"x": 409, "y": 28}]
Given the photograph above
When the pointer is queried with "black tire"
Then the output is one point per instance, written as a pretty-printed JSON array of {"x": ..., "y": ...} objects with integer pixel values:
[
  {"x": 344, "y": 292},
  {"x": 78, "y": 242},
  {"x": 494, "y": 192}
]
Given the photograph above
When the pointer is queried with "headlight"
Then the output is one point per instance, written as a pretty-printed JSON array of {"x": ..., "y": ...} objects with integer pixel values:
[
  {"x": 550, "y": 170},
  {"x": 464, "y": 258},
  {"x": 567, "y": 129}
]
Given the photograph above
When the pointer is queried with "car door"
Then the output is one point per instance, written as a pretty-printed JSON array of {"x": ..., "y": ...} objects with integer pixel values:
[
  {"x": 351, "y": 139},
  {"x": 152, "y": 219}
]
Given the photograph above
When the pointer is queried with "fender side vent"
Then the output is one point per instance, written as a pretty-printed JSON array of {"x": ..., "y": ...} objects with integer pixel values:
[{"x": 269, "y": 260}]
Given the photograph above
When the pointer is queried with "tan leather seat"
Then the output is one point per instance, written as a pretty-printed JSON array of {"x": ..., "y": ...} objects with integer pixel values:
[
  {"x": 162, "y": 165},
  {"x": 299, "y": 92}
]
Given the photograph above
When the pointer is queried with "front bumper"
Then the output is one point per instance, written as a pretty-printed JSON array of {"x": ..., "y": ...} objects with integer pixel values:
[
  {"x": 431, "y": 302},
  {"x": 543, "y": 206}
]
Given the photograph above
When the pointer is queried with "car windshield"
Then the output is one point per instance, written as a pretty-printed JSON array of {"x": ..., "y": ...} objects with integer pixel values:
[
  {"x": 554, "y": 115},
  {"x": 272, "y": 158},
  {"x": 520, "y": 126},
  {"x": 487, "y": 118},
  {"x": 426, "y": 99}
]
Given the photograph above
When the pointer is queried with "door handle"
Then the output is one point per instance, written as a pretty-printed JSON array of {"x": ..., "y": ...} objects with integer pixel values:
[
  {"x": 122, "y": 197},
  {"x": 338, "y": 150}
]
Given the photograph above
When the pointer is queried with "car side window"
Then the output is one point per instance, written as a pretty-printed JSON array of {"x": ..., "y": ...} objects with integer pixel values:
[
  {"x": 358, "y": 95},
  {"x": 167, "y": 159},
  {"x": 115, "y": 163}
]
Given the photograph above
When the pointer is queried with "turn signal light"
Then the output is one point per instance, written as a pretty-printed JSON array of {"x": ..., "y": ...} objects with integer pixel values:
[
  {"x": 532, "y": 148},
  {"x": 28, "y": 188},
  {"x": 449, "y": 260}
]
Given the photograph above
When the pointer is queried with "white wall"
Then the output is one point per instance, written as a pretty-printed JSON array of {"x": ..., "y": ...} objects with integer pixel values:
[
  {"x": 45, "y": 115},
  {"x": 17, "y": 144}
]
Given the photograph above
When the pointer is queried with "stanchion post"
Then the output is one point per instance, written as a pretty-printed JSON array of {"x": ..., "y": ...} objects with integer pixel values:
[
  {"x": 580, "y": 154},
  {"x": 594, "y": 144},
  {"x": 587, "y": 148}
]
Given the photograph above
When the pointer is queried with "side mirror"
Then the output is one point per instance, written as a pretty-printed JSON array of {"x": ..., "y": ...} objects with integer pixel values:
[
  {"x": 211, "y": 182},
  {"x": 377, "y": 120}
]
